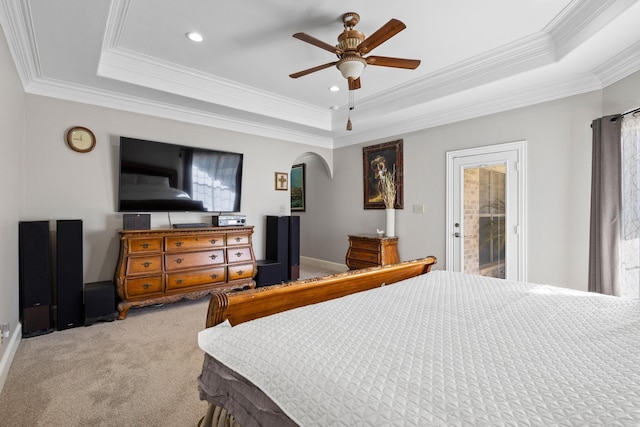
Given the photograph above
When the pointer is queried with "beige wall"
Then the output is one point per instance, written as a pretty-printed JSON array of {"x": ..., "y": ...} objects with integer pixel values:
[
  {"x": 11, "y": 167},
  {"x": 63, "y": 184},
  {"x": 622, "y": 96},
  {"x": 558, "y": 191}
]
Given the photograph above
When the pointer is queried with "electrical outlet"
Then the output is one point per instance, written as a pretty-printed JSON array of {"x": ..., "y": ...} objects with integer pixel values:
[
  {"x": 418, "y": 208},
  {"x": 283, "y": 209}
]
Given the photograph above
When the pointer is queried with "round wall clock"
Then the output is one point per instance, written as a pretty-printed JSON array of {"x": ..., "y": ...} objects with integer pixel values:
[{"x": 81, "y": 139}]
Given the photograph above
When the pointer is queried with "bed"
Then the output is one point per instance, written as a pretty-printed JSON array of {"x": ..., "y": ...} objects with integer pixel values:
[{"x": 435, "y": 348}]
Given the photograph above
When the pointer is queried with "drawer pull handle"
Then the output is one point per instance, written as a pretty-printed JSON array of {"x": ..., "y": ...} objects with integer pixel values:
[
  {"x": 213, "y": 241},
  {"x": 214, "y": 256},
  {"x": 146, "y": 264},
  {"x": 370, "y": 256},
  {"x": 238, "y": 239},
  {"x": 238, "y": 254},
  {"x": 179, "y": 281},
  {"x": 178, "y": 244},
  {"x": 179, "y": 260},
  {"x": 214, "y": 276},
  {"x": 146, "y": 286},
  {"x": 145, "y": 246},
  {"x": 239, "y": 272}
]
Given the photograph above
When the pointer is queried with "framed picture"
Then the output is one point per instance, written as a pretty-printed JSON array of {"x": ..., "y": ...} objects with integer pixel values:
[
  {"x": 297, "y": 188},
  {"x": 376, "y": 159},
  {"x": 282, "y": 181}
]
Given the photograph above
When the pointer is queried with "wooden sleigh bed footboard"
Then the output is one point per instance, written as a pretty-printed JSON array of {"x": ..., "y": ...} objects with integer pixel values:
[{"x": 238, "y": 307}]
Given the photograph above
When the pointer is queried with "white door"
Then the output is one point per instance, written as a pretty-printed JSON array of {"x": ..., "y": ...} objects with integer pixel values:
[{"x": 486, "y": 211}]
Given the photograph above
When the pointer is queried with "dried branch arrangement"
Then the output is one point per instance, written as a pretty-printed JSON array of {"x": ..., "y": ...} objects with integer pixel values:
[{"x": 389, "y": 188}]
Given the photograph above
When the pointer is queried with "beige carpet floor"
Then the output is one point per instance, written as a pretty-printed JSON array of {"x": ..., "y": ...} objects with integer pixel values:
[{"x": 141, "y": 371}]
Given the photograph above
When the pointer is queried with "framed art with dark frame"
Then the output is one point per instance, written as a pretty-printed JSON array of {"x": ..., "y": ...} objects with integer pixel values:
[
  {"x": 298, "y": 188},
  {"x": 376, "y": 159},
  {"x": 282, "y": 181}
]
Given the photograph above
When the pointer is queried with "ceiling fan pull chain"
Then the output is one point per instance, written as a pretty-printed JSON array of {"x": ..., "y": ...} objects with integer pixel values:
[{"x": 351, "y": 107}]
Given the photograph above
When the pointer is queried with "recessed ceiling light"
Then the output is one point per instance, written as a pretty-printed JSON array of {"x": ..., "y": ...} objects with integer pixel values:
[
  {"x": 334, "y": 88},
  {"x": 334, "y": 107},
  {"x": 196, "y": 37}
]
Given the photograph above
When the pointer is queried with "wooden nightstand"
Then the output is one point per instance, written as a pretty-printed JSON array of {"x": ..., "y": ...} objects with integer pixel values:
[{"x": 370, "y": 250}]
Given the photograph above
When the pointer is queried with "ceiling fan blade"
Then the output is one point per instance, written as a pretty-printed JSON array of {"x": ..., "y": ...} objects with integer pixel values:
[
  {"x": 312, "y": 70},
  {"x": 385, "y": 61},
  {"x": 383, "y": 34},
  {"x": 354, "y": 84},
  {"x": 319, "y": 43}
]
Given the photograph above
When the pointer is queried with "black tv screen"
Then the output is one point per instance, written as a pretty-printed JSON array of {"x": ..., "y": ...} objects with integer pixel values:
[{"x": 160, "y": 177}]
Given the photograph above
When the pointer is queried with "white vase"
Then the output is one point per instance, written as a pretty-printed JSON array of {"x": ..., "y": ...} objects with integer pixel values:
[{"x": 390, "y": 229}]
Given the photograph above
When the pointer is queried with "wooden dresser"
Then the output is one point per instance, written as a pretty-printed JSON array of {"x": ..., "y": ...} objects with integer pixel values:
[
  {"x": 167, "y": 265},
  {"x": 370, "y": 250}
]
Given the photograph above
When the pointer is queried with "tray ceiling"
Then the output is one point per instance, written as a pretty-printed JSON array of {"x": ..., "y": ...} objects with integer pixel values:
[{"x": 477, "y": 58}]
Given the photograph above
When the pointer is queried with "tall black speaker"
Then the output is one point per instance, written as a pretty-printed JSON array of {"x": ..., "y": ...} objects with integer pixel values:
[
  {"x": 69, "y": 275},
  {"x": 294, "y": 247},
  {"x": 34, "y": 267},
  {"x": 278, "y": 244}
]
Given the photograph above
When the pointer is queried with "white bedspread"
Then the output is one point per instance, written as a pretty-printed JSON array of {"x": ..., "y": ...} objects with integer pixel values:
[{"x": 445, "y": 349}]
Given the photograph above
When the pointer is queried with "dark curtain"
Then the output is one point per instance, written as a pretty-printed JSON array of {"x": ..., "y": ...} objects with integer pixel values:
[{"x": 606, "y": 204}]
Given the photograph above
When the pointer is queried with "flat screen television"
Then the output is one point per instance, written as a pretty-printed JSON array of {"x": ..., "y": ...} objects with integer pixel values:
[{"x": 161, "y": 177}]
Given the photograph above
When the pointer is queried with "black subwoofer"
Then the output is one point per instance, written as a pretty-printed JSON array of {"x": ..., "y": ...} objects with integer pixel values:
[
  {"x": 269, "y": 273},
  {"x": 99, "y": 302}
]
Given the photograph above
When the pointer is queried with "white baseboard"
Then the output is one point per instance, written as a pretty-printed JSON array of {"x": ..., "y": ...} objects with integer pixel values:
[
  {"x": 319, "y": 263},
  {"x": 9, "y": 353}
]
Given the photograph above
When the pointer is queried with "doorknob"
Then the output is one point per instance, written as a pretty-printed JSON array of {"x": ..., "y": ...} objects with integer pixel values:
[{"x": 456, "y": 234}]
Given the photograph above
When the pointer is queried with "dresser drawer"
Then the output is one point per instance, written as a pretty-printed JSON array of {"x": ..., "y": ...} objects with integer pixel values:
[
  {"x": 234, "y": 239},
  {"x": 144, "y": 264},
  {"x": 240, "y": 271},
  {"x": 354, "y": 264},
  {"x": 367, "y": 245},
  {"x": 359, "y": 255},
  {"x": 185, "y": 243},
  {"x": 181, "y": 261},
  {"x": 239, "y": 254},
  {"x": 195, "y": 278},
  {"x": 145, "y": 244},
  {"x": 143, "y": 286}
]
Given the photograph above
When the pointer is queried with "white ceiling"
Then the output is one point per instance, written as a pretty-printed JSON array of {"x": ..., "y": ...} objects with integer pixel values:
[{"x": 477, "y": 58}]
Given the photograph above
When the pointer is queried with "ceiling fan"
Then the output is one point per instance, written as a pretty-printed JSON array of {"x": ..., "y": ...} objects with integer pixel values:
[{"x": 351, "y": 47}]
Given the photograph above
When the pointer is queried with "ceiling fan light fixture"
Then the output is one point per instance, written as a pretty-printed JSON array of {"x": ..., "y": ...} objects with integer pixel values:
[{"x": 351, "y": 66}]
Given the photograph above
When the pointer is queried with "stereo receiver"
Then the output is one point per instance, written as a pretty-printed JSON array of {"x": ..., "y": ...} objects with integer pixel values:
[{"x": 227, "y": 220}]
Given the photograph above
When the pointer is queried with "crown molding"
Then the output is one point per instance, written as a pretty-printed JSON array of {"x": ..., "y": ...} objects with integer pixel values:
[
  {"x": 619, "y": 66},
  {"x": 134, "y": 68},
  {"x": 580, "y": 20},
  {"x": 445, "y": 111},
  {"x": 17, "y": 23},
  {"x": 103, "y": 98},
  {"x": 115, "y": 24},
  {"x": 513, "y": 58},
  {"x": 445, "y": 96}
]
